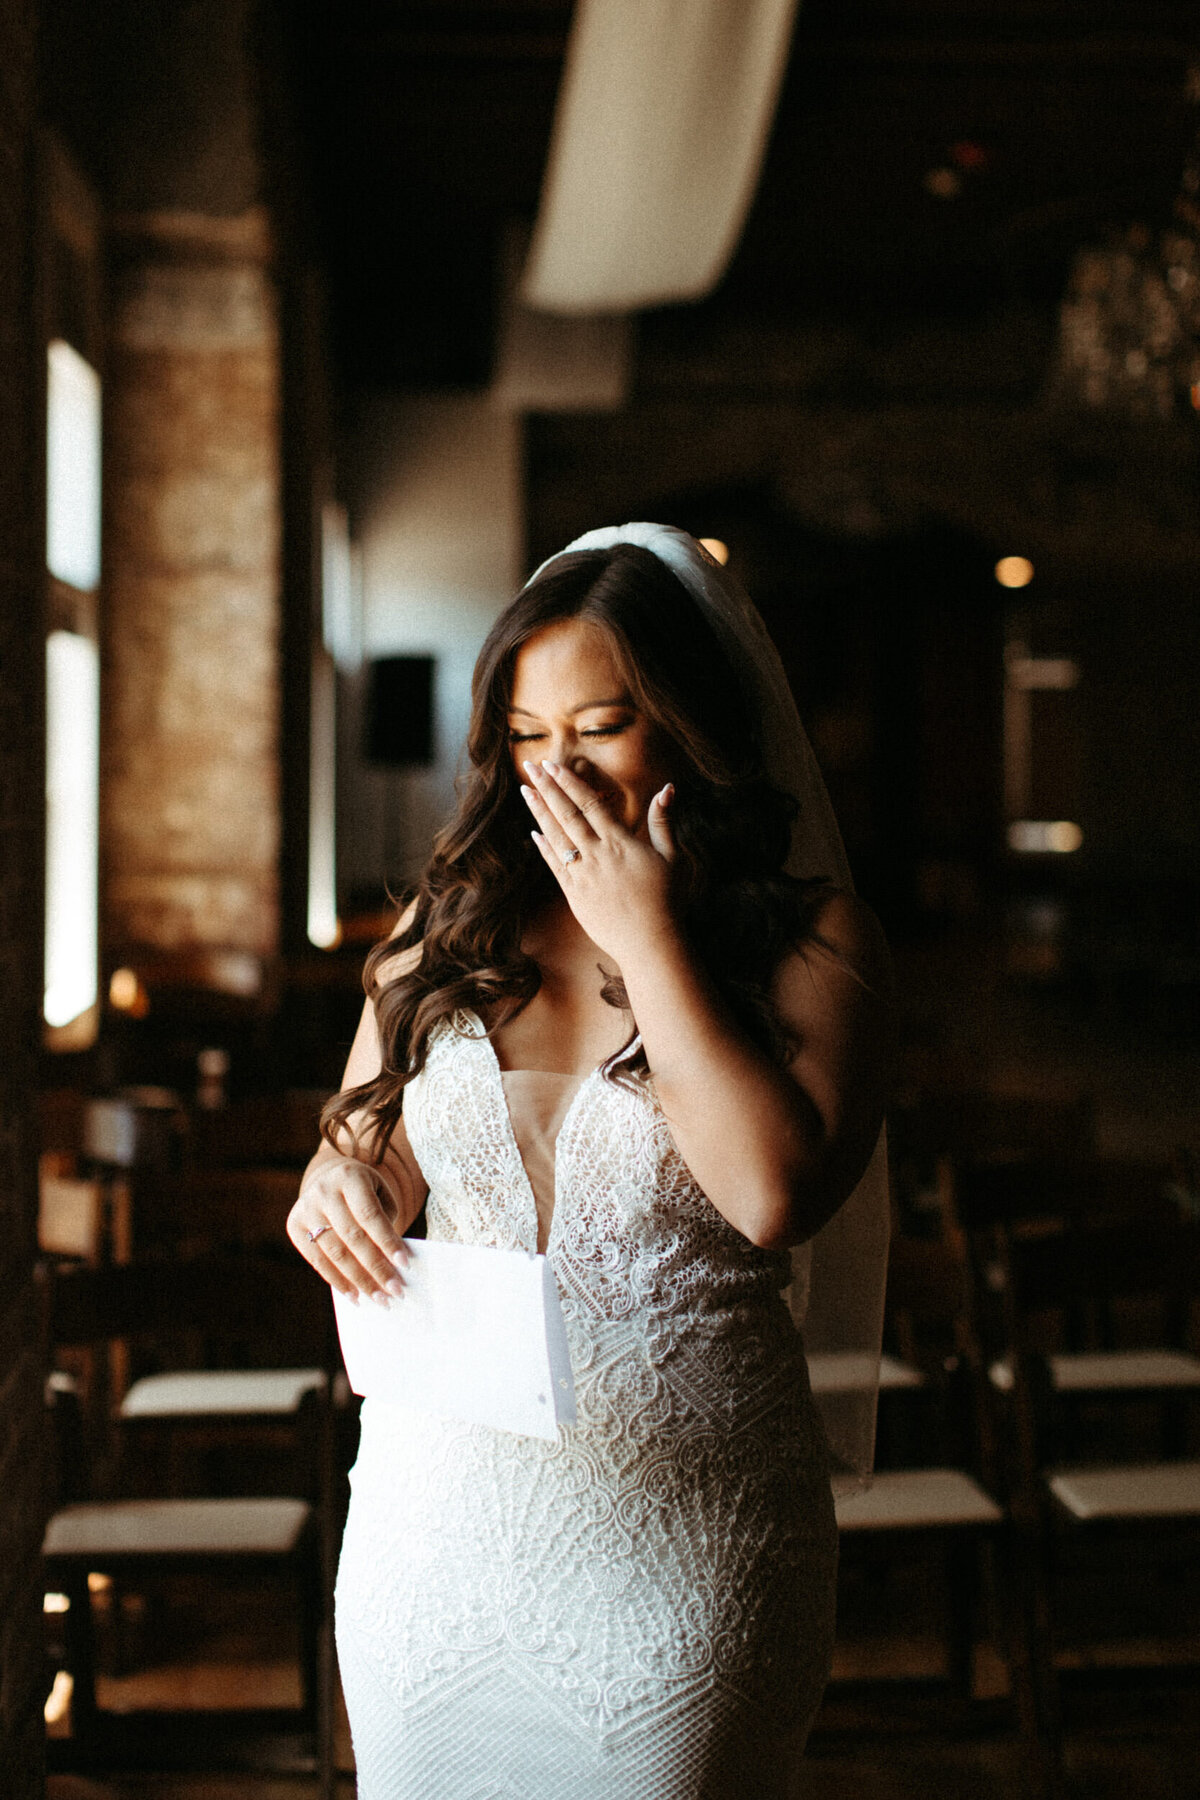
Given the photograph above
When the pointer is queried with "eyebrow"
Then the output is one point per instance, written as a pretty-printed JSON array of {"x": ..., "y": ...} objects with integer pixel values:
[{"x": 584, "y": 706}]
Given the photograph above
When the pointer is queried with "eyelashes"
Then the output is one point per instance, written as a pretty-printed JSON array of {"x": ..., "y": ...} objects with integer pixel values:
[{"x": 598, "y": 731}]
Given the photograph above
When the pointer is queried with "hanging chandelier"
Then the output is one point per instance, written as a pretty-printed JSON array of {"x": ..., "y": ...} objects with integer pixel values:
[{"x": 1129, "y": 323}]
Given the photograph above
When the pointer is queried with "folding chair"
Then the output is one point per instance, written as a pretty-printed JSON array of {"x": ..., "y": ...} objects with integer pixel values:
[
  {"x": 1034, "y": 1286},
  {"x": 1001, "y": 1200},
  {"x": 141, "y": 1538},
  {"x": 938, "y": 1510}
]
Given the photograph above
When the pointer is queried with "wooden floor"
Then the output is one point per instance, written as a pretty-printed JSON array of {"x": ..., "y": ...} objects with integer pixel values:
[
  {"x": 1145, "y": 1769},
  {"x": 1135, "y": 1751}
]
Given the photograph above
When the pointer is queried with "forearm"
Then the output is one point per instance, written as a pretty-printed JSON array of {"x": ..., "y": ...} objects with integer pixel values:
[
  {"x": 396, "y": 1175},
  {"x": 751, "y": 1137}
]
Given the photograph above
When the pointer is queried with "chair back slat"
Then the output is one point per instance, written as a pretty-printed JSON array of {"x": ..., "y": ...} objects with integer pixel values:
[
  {"x": 275, "y": 1302},
  {"x": 1104, "y": 1263},
  {"x": 1002, "y": 1190},
  {"x": 204, "y": 1211}
]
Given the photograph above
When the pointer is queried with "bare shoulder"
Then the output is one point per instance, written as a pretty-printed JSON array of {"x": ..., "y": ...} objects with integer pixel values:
[{"x": 845, "y": 951}]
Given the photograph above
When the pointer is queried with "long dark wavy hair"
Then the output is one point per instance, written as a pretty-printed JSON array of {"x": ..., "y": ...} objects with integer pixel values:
[{"x": 486, "y": 880}]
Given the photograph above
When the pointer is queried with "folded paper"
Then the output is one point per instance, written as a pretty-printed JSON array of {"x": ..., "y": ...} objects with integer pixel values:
[{"x": 479, "y": 1335}]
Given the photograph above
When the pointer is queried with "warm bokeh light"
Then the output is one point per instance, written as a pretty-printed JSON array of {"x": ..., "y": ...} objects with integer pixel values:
[
  {"x": 1039, "y": 837},
  {"x": 1014, "y": 571},
  {"x": 126, "y": 994},
  {"x": 942, "y": 183},
  {"x": 55, "y": 1603},
  {"x": 716, "y": 549},
  {"x": 58, "y": 1700}
]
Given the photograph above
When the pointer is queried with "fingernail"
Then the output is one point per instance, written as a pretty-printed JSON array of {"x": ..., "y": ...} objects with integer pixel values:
[
  {"x": 396, "y": 1288},
  {"x": 530, "y": 770},
  {"x": 381, "y": 1299},
  {"x": 401, "y": 1258},
  {"x": 553, "y": 767},
  {"x": 667, "y": 794},
  {"x": 352, "y": 1296},
  {"x": 527, "y": 792}
]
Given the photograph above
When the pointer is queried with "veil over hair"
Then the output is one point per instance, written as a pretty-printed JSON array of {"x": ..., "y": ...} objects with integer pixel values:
[{"x": 838, "y": 1276}]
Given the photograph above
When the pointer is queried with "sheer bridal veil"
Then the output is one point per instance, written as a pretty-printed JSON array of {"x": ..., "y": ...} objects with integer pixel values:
[{"x": 838, "y": 1277}]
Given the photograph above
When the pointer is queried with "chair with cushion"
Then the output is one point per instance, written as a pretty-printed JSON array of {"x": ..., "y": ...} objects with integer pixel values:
[
  {"x": 1101, "y": 1441},
  {"x": 1003, "y": 1200},
  {"x": 231, "y": 1307},
  {"x": 936, "y": 1511}
]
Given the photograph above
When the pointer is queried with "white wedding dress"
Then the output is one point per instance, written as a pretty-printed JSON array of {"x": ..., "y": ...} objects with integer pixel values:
[{"x": 642, "y": 1609}]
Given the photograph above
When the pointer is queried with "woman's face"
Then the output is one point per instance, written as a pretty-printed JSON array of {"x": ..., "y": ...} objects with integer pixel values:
[{"x": 570, "y": 705}]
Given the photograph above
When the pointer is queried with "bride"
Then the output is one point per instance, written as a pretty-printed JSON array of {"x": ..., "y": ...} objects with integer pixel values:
[{"x": 632, "y": 1017}]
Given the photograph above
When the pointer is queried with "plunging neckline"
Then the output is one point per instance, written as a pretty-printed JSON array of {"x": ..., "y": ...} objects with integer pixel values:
[{"x": 480, "y": 1036}]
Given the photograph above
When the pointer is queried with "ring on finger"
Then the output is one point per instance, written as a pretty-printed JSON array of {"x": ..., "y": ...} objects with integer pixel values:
[
  {"x": 312, "y": 1236},
  {"x": 573, "y": 857}
]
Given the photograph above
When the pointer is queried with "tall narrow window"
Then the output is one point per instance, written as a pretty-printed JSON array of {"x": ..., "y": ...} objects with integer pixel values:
[
  {"x": 323, "y": 928},
  {"x": 339, "y": 648},
  {"x": 72, "y": 826},
  {"x": 72, "y": 468},
  {"x": 73, "y": 432}
]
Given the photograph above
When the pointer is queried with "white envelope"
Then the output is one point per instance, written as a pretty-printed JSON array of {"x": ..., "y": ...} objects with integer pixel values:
[{"x": 479, "y": 1335}]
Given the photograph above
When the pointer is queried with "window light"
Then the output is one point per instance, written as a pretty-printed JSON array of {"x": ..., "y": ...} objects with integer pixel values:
[
  {"x": 341, "y": 595},
  {"x": 323, "y": 928},
  {"x": 72, "y": 825},
  {"x": 1044, "y": 836},
  {"x": 72, "y": 468}
]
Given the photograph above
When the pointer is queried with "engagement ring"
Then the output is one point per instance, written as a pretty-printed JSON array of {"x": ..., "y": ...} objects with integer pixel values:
[{"x": 312, "y": 1236}]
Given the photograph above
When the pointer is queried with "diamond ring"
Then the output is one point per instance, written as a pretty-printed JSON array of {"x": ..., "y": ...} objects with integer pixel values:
[
  {"x": 574, "y": 857},
  {"x": 312, "y": 1236}
]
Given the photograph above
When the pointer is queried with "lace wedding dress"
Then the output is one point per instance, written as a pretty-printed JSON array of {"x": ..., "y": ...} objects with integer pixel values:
[{"x": 642, "y": 1609}]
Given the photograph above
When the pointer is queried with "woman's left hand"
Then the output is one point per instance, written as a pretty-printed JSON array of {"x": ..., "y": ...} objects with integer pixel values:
[{"x": 616, "y": 882}]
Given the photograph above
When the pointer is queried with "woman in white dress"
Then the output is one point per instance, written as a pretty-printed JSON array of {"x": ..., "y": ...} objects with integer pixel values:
[{"x": 622, "y": 1033}]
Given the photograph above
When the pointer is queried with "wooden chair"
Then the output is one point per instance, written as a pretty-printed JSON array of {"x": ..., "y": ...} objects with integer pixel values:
[
  {"x": 264, "y": 1131},
  {"x": 938, "y": 1509},
  {"x": 72, "y": 1214},
  {"x": 1094, "y": 1490},
  {"x": 1004, "y": 1199},
  {"x": 200, "y": 1212},
  {"x": 142, "y": 1538},
  {"x": 939, "y": 1128}
]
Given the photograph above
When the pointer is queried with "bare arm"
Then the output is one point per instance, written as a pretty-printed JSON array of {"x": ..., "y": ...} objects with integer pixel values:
[
  {"x": 776, "y": 1150},
  {"x": 358, "y": 1210}
]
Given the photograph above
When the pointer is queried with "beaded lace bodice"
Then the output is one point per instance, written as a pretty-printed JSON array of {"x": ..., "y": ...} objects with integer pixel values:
[{"x": 667, "y": 1557}]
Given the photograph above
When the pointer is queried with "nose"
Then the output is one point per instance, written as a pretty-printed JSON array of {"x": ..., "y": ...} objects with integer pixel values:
[{"x": 564, "y": 747}]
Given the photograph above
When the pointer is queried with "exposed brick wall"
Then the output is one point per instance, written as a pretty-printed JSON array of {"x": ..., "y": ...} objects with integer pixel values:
[
  {"x": 191, "y": 781},
  {"x": 21, "y": 827}
]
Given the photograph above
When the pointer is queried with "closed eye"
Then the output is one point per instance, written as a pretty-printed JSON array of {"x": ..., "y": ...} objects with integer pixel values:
[{"x": 596, "y": 731}]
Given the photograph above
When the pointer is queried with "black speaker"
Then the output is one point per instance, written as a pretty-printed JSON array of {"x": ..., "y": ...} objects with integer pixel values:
[{"x": 399, "y": 718}]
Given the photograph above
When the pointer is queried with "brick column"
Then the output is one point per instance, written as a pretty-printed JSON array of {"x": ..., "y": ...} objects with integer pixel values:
[
  {"x": 191, "y": 776},
  {"x": 22, "y": 805}
]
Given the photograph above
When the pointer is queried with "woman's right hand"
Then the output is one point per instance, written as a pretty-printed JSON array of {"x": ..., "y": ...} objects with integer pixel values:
[{"x": 344, "y": 1224}]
